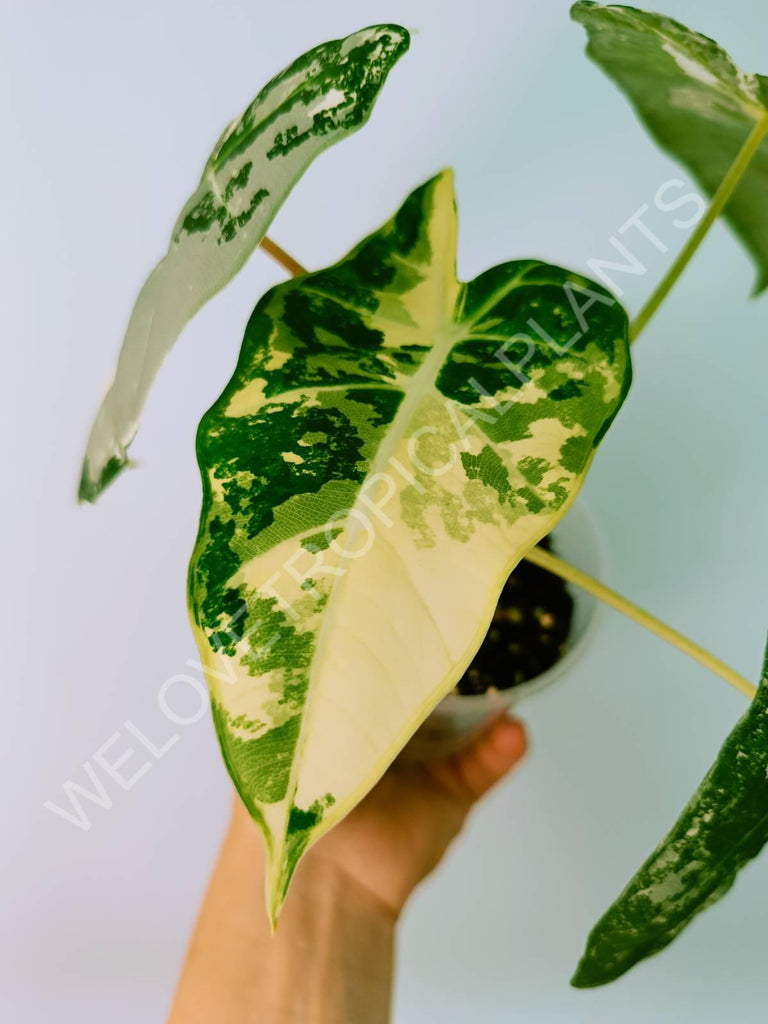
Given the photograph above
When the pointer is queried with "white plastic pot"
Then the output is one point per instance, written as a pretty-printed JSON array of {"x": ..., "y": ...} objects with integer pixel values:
[{"x": 458, "y": 719}]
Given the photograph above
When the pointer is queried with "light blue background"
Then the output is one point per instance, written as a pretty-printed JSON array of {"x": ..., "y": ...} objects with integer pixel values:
[{"x": 108, "y": 112}]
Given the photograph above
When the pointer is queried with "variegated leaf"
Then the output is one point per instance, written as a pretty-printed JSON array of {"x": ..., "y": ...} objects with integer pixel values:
[
  {"x": 391, "y": 444},
  {"x": 324, "y": 96},
  {"x": 723, "y": 826},
  {"x": 695, "y": 102}
]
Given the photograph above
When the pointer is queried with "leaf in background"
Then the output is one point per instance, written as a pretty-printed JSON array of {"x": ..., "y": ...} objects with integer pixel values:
[
  {"x": 695, "y": 102},
  {"x": 323, "y": 97},
  {"x": 723, "y": 826},
  {"x": 391, "y": 444}
]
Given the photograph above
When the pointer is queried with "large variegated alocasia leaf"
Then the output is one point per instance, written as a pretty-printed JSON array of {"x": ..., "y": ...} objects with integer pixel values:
[
  {"x": 695, "y": 102},
  {"x": 391, "y": 444},
  {"x": 724, "y": 825},
  {"x": 324, "y": 96}
]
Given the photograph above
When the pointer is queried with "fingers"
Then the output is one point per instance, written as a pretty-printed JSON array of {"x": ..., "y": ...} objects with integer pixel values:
[{"x": 491, "y": 756}]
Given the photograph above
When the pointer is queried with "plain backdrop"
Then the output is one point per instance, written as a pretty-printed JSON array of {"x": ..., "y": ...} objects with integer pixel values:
[{"x": 107, "y": 113}]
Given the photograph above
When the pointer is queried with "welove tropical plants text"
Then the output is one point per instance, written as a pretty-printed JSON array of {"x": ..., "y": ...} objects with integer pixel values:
[{"x": 389, "y": 430}]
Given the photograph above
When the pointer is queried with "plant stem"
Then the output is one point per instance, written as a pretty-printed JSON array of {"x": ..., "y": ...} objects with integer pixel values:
[
  {"x": 715, "y": 208},
  {"x": 281, "y": 256},
  {"x": 546, "y": 560}
]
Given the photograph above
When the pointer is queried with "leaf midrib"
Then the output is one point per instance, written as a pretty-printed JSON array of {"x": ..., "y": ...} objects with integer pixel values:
[
  {"x": 457, "y": 331},
  {"x": 417, "y": 388}
]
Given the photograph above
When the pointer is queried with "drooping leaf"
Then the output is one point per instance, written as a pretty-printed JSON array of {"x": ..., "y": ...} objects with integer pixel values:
[
  {"x": 724, "y": 825},
  {"x": 324, "y": 96},
  {"x": 695, "y": 102},
  {"x": 391, "y": 444}
]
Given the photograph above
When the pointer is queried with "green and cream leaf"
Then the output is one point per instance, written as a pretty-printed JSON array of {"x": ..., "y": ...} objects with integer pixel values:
[
  {"x": 696, "y": 103},
  {"x": 723, "y": 826},
  {"x": 391, "y": 444},
  {"x": 324, "y": 96}
]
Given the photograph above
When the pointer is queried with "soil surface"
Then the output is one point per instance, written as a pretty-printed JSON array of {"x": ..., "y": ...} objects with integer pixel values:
[{"x": 528, "y": 633}]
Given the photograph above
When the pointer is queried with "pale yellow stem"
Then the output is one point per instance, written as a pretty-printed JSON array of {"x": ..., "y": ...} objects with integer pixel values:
[
  {"x": 279, "y": 254},
  {"x": 719, "y": 200},
  {"x": 546, "y": 560}
]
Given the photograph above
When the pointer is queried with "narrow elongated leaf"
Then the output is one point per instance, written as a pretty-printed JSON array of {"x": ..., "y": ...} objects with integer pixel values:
[
  {"x": 695, "y": 102},
  {"x": 324, "y": 96},
  {"x": 723, "y": 826},
  {"x": 391, "y": 444}
]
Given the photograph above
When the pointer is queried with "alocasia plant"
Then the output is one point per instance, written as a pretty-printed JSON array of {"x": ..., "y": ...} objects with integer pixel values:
[
  {"x": 389, "y": 430},
  {"x": 324, "y": 96}
]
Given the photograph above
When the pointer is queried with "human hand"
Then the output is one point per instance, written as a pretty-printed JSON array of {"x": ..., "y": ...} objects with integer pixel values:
[
  {"x": 400, "y": 831},
  {"x": 331, "y": 957}
]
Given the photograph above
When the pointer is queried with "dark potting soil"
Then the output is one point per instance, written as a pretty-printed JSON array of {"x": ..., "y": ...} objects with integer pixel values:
[{"x": 528, "y": 633}]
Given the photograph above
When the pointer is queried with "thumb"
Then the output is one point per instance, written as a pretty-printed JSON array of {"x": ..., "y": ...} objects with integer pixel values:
[{"x": 490, "y": 756}]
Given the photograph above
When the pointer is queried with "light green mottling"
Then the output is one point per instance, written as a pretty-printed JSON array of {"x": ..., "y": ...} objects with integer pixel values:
[
  {"x": 321, "y": 98},
  {"x": 443, "y": 428},
  {"x": 723, "y": 826},
  {"x": 696, "y": 103}
]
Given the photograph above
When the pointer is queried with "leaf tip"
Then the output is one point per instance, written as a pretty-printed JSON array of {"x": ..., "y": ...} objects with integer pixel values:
[
  {"x": 90, "y": 487},
  {"x": 582, "y": 978},
  {"x": 275, "y": 893},
  {"x": 581, "y": 6},
  {"x": 397, "y": 36},
  {"x": 598, "y": 966},
  {"x": 760, "y": 285}
]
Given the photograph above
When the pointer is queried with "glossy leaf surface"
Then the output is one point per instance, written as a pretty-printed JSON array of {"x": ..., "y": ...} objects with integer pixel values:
[
  {"x": 696, "y": 103},
  {"x": 723, "y": 826},
  {"x": 324, "y": 96},
  {"x": 391, "y": 444}
]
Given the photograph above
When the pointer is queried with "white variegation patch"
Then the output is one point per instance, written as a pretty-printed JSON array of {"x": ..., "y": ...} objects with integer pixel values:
[
  {"x": 399, "y": 468},
  {"x": 320, "y": 99},
  {"x": 695, "y": 101},
  {"x": 723, "y": 826}
]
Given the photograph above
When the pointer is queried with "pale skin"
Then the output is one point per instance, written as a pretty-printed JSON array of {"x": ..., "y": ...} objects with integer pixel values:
[{"x": 331, "y": 959}]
